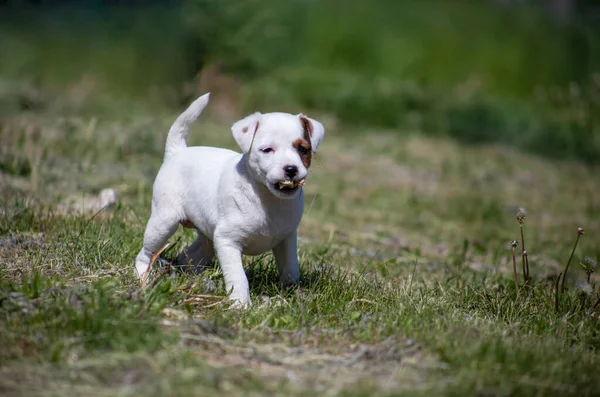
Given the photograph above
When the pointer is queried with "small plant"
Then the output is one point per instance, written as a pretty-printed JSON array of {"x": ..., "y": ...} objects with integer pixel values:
[
  {"x": 589, "y": 265},
  {"x": 558, "y": 285}
]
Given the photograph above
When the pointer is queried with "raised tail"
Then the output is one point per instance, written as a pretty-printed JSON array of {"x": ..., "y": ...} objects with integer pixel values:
[{"x": 176, "y": 140}]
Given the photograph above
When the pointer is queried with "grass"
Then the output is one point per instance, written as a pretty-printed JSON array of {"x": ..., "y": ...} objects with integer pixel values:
[{"x": 407, "y": 272}]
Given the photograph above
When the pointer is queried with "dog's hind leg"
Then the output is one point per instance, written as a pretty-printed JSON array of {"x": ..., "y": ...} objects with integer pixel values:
[
  {"x": 160, "y": 227},
  {"x": 197, "y": 256}
]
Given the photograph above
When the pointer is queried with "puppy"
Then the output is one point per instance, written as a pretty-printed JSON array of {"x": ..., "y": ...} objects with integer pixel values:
[{"x": 245, "y": 203}]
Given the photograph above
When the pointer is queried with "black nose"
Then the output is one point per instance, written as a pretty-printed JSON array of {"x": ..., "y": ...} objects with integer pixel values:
[{"x": 290, "y": 170}]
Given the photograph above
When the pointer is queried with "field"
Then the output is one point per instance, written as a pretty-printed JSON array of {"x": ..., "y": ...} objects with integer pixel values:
[{"x": 407, "y": 270}]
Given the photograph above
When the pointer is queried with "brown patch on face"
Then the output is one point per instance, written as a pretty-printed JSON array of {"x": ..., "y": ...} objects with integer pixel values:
[
  {"x": 303, "y": 148},
  {"x": 244, "y": 130},
  {"x": 303, "y": 144}
]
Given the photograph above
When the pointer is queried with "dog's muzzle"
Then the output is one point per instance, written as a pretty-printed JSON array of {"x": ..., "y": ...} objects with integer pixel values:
[{"x": 288, "y": 186}]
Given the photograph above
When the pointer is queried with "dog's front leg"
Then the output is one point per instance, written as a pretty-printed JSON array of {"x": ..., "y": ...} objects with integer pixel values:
[
  {"x": 230, "y": 258},
  {"x": 286, "y": 256}
]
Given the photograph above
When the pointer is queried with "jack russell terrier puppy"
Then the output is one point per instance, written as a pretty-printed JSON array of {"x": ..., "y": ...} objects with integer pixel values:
[{"x": 245, "y": 203}]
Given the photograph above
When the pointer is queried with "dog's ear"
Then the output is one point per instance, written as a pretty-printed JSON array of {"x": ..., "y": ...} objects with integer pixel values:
[
  {"x": 314, "y": 130},
  {"x": 245, "y": 129}
]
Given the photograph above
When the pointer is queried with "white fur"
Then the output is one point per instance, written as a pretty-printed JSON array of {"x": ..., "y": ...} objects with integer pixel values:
[{"x": 231, "y": 198}]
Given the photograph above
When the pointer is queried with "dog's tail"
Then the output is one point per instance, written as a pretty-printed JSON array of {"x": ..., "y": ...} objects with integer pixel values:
[{"x": 176, "y": 140}]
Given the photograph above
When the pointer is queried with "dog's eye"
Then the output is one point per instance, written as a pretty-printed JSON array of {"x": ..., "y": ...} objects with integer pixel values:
[
  {"x": 267, "y": 149},
  {"x": 302, "y": 150}
]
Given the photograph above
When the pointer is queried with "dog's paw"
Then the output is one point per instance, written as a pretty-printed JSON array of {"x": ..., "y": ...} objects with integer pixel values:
[
  {"x": 265, "y": 300},
  {"x": 240, "y": 303},
  {"x": 160, "y": 267}
]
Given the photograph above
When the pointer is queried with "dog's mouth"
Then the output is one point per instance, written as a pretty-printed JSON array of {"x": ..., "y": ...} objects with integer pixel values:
[{"x": 287, "y": 186}]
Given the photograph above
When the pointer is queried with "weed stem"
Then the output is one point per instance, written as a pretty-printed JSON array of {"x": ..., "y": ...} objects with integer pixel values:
[
  {"x": 514, "y": 258},
  {"x": 527, "y": 265},
  {"x": 562, "y": 285},
  {"x": 557, "y": 293},
  {"x": 523, "y": 254}
]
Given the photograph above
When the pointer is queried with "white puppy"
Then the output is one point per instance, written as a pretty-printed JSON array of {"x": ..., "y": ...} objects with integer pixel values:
[{"x": 239, "y": 203}]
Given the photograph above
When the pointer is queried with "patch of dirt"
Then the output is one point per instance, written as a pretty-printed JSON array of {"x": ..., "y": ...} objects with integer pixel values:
[
  {"x": 224, "y": 91},
  {"x": 22, "y": 241},
  {"x": 396, "y": 363}
]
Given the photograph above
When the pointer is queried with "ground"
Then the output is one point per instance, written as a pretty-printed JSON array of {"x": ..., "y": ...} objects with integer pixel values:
[{"x": 407, "y": 274}]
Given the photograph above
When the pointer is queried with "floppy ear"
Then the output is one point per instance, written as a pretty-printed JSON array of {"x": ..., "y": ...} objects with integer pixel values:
[
  {"x": 314, "y": 130},
  {"x": 245, "y": 129}
]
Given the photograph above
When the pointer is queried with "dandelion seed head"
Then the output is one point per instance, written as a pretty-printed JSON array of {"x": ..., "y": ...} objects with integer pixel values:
[
  {"x": 589, "y": 265},
  {"x": 521, "y": 215}
]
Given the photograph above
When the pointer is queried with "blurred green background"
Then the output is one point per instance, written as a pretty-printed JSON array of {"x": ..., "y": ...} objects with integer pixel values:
[{"x": 521, "y": 73}]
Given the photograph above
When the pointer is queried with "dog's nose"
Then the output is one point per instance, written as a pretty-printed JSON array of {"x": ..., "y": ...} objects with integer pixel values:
[{"x": 290, "y": 170}]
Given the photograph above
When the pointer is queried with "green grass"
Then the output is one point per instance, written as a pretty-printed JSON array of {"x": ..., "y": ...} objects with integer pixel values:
[
  {"x": 469, "y": 70},
  {"x": 444, "y": 68},
  {"x": 407, "y": 284},
  {"x": 61, "y": 45}
]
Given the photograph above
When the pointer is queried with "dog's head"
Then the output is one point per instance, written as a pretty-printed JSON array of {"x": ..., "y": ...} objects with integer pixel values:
[{"x": 279, "y": 148}]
